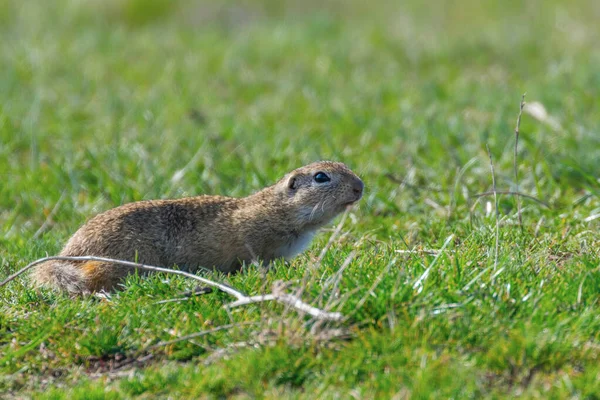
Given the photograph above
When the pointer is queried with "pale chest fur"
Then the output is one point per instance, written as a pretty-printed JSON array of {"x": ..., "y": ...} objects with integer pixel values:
[{"x": 295, "y": 246}]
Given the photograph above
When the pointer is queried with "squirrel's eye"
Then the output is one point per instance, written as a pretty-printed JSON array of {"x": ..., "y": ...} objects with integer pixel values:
[{"x": 322, "y": 177}]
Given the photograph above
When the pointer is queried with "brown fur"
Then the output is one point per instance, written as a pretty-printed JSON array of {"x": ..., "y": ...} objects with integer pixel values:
[{"x": 204, "y": 231}]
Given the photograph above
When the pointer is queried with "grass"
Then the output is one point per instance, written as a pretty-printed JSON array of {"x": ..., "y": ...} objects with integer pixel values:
[{"x": 107, "y": 102}]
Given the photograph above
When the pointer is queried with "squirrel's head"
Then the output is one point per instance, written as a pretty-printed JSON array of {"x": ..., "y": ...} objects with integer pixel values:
[{"x": 319, "y": 191}]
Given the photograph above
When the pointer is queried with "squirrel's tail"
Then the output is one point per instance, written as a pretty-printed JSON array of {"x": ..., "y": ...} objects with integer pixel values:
[{"x": 61, "y": 275}]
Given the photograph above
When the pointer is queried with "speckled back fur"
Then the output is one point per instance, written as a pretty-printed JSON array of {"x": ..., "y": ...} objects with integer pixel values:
[{"x": 205, "y": 231}]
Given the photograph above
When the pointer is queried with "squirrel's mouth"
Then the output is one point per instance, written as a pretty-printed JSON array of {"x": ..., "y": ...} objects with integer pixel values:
[{"x": 350, "y": 203}]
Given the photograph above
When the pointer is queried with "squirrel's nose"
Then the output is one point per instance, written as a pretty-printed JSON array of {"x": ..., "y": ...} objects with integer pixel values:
[{"x": 358, "y": 187}]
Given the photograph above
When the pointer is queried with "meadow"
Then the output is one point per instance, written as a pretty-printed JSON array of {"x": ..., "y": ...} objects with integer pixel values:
[{"x": 447, "y": 290}]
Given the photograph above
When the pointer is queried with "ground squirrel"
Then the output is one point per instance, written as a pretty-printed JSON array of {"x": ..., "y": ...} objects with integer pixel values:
[{"x": 205, "y": 231}]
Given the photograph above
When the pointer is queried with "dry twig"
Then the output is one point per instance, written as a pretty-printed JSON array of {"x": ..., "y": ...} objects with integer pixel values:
[
  {"x": 242, "y": 299},
  {"x": 288, "y": 299}
]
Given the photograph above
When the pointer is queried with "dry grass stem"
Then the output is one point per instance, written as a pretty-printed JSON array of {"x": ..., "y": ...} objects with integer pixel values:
[
  {"x": 429, "y": 252},
  {"x": 511, "y": 193},
  {"x": 332, "y": 238},
  {"x": 376, "y": 283},
  {"x": 419, "y": 282},
  {"x": 49, "y": 219},
  {"x": 199, "y": 334},
  {"x": 495, "y": 206},
  {"x": 516, "y": 157},
  {"x": 335, "y": 280}
]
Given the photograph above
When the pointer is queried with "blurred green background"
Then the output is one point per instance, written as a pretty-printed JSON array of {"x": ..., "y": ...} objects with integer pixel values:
[
  {"x": 104, "y": 102},
  {"x": 109, "y": 99}
]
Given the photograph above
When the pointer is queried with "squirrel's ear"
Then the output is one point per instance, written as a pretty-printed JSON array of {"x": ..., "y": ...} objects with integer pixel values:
[{"x": 291, "y": 183}]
